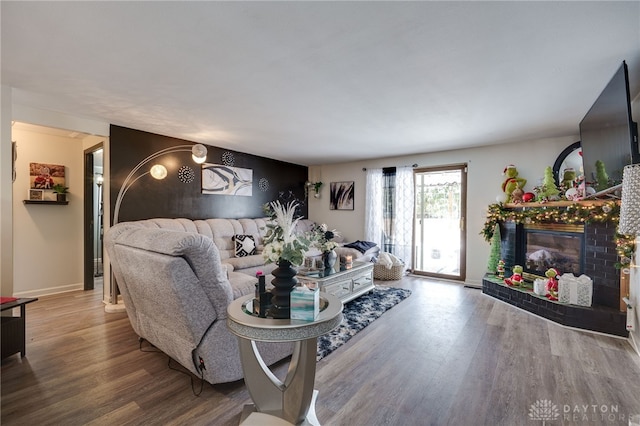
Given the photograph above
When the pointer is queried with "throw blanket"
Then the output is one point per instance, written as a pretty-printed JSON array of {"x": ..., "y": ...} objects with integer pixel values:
[
  {"x": 388, "y": 260},
  {"x": 361, "y": 246}
]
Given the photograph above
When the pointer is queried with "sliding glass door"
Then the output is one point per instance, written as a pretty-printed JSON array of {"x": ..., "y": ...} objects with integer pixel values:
[{"x": 439, "y": 228}]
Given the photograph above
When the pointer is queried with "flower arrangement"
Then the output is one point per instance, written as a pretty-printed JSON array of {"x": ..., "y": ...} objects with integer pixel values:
[
  {"x": 281, "y": 241},
  {"x": 321, "y": 237}
]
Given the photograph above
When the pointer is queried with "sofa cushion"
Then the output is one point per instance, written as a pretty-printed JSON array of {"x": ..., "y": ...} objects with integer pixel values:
[
  {"x": 245, "y": 245},
  {"x": 245, "y": 262},
  {"x": 242, "y": 284}
]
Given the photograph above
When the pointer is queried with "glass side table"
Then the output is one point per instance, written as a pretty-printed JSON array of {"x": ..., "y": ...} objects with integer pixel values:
[{"x": 294, "y": 398}]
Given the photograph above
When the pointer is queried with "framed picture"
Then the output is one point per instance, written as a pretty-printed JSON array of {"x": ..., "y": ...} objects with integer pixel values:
[
  {"x": 226, "y": 180},
  {"x": 36, "y": 194},
  {"x": 341, "y": 196},
  {"x": 44, "y": 176}
]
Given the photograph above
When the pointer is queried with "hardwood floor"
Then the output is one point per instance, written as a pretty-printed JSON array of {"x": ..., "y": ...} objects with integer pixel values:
[{"x": 446, "y": 355}]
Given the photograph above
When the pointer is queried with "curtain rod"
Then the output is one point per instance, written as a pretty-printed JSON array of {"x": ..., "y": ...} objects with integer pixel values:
[{"x": 364, "y": 169}]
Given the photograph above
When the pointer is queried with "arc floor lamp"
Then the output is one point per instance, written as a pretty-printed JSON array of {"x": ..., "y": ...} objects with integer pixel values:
[{"x": 157, "y": 171}]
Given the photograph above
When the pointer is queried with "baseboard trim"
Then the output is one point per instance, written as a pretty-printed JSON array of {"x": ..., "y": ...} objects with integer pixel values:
[
  {"x": 634, "y": 344},
  {"x": 50, "y": 291}
]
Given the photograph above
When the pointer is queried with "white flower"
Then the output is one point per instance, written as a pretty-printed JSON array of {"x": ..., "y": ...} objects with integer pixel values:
[
  {"x": 322, "y": 237},
  {"x": 281, "y": 241}
]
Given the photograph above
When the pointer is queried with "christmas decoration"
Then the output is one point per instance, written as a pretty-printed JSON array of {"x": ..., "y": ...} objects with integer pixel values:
[
  {"x": 511, "y": 182},
  {"x": 551, "y": 285},
  {"x": 515, "y": 280},
  {"x": 548, "y": 191},
  {"x": 602, "y": 178},
  {"x": 500, "y": 268},
  {"x": 494, "y": 255},
  {"x": 570, "y": 214},
  {"x": 568, "y": 178}
]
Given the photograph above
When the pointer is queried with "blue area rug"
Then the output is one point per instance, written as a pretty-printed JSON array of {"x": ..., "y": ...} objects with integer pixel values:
[{"x": 358, "y": 314}]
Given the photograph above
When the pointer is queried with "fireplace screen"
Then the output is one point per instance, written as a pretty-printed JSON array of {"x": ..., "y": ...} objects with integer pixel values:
[{"x": 552, "y": 249}]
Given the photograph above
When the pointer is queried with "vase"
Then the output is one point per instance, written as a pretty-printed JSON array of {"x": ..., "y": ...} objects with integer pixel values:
[
  {"x": 283, "y": 283},
  {"x": 329, "y": 258}
]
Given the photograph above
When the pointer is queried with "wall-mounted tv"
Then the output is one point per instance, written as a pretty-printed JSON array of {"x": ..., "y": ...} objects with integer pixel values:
[{"x": 608, "y": 135}]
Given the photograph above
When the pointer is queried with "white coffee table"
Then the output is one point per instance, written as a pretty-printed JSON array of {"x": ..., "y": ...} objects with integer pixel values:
[
  {"x": 344, "y": 283},
  {"x": 294, "y": 398}
]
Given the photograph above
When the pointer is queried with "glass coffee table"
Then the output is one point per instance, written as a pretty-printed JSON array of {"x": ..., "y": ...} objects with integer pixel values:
[{"x": 294, "y": 398}]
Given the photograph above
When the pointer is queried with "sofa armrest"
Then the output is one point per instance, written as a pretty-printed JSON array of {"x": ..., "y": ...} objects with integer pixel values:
[
  {"x": 198, "y": 251},
  {"x": 228, "y": 267}
]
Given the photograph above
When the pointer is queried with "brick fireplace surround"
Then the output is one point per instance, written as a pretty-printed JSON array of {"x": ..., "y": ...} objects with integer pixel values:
[{"x": 600, "y": 257}]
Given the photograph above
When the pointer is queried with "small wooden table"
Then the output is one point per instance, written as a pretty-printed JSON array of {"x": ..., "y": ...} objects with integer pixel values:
[
  {"x": 294, "y": 398},
  {"x": 13, "y": 328}
]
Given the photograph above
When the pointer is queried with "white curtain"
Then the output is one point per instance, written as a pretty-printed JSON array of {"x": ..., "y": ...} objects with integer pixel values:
[
  {"x": 404, "y": 210},
  {"x": 373, "y": 223}
]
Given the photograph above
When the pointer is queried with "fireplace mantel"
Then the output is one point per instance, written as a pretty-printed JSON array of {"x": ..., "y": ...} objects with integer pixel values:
[{"x": 565, "y": 203}]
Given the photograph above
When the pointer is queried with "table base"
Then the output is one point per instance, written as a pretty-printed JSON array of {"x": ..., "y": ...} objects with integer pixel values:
[
  {"x": 310, "y": 420},
  {"x": 292, "y": 400}
]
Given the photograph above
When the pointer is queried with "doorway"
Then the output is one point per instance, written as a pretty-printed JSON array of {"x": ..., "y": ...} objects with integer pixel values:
[
  {"x": 93, "y": 216},
  {"x": 439, "y": 228}
]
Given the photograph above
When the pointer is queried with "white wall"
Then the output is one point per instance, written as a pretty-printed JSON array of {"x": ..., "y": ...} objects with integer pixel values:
[
  {"x": 6, "y": 227},
  {"x": 48, "y": 239},
  {"x": 484, "y": 180},
  {"x": 41, "y": 250}
]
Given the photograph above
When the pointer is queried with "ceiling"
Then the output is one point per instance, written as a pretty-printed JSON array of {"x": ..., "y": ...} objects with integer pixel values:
[{"x": 322, "y": 82}]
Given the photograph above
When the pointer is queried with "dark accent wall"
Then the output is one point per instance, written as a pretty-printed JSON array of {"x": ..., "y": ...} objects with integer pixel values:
[{"x": 171, "y": 197}]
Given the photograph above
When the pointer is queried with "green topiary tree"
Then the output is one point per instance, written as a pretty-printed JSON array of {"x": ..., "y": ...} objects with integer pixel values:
[
  {"x": 548, "y": 191},
  {"x": 494, "y": 255},
  {"x": 602, "y": 178}
]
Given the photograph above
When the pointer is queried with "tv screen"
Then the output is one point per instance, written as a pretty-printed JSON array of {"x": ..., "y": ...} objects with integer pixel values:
[{"x": 608, "y": 134}]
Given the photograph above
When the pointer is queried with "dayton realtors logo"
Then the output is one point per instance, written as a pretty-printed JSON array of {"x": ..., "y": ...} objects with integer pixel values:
[
  {"x": 544, "y": 410},
  {"x": 547, "y": 411}
]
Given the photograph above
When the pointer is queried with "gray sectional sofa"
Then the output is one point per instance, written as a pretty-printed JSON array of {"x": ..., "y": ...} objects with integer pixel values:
[{"x": 177, "y": 277}]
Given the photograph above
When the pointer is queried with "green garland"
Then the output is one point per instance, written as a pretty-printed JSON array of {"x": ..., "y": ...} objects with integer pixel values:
[{"x": 571, "y": 214}]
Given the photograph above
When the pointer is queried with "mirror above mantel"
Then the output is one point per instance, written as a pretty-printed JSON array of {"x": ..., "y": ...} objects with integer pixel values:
[{"x": 571, "y": 157}]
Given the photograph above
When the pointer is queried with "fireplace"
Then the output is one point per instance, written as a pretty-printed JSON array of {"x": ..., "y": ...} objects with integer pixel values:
[
  {"x": 588, "y": 248},
  {"x": 544, "y": 246}
]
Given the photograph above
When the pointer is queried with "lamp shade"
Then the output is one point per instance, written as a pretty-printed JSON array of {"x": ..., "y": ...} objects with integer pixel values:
[
  {"x": 630, "y": 206},
  {"x": 199, "y": 153},
  {"x": 158, "y": 171}
]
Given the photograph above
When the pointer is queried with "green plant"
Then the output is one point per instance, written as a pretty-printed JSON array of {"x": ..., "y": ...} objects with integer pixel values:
[{"x": 59, "y": 188}]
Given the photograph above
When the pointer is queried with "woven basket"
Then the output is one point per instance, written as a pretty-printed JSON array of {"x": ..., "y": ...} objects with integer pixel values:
[{"x": 380, "y": 272}]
